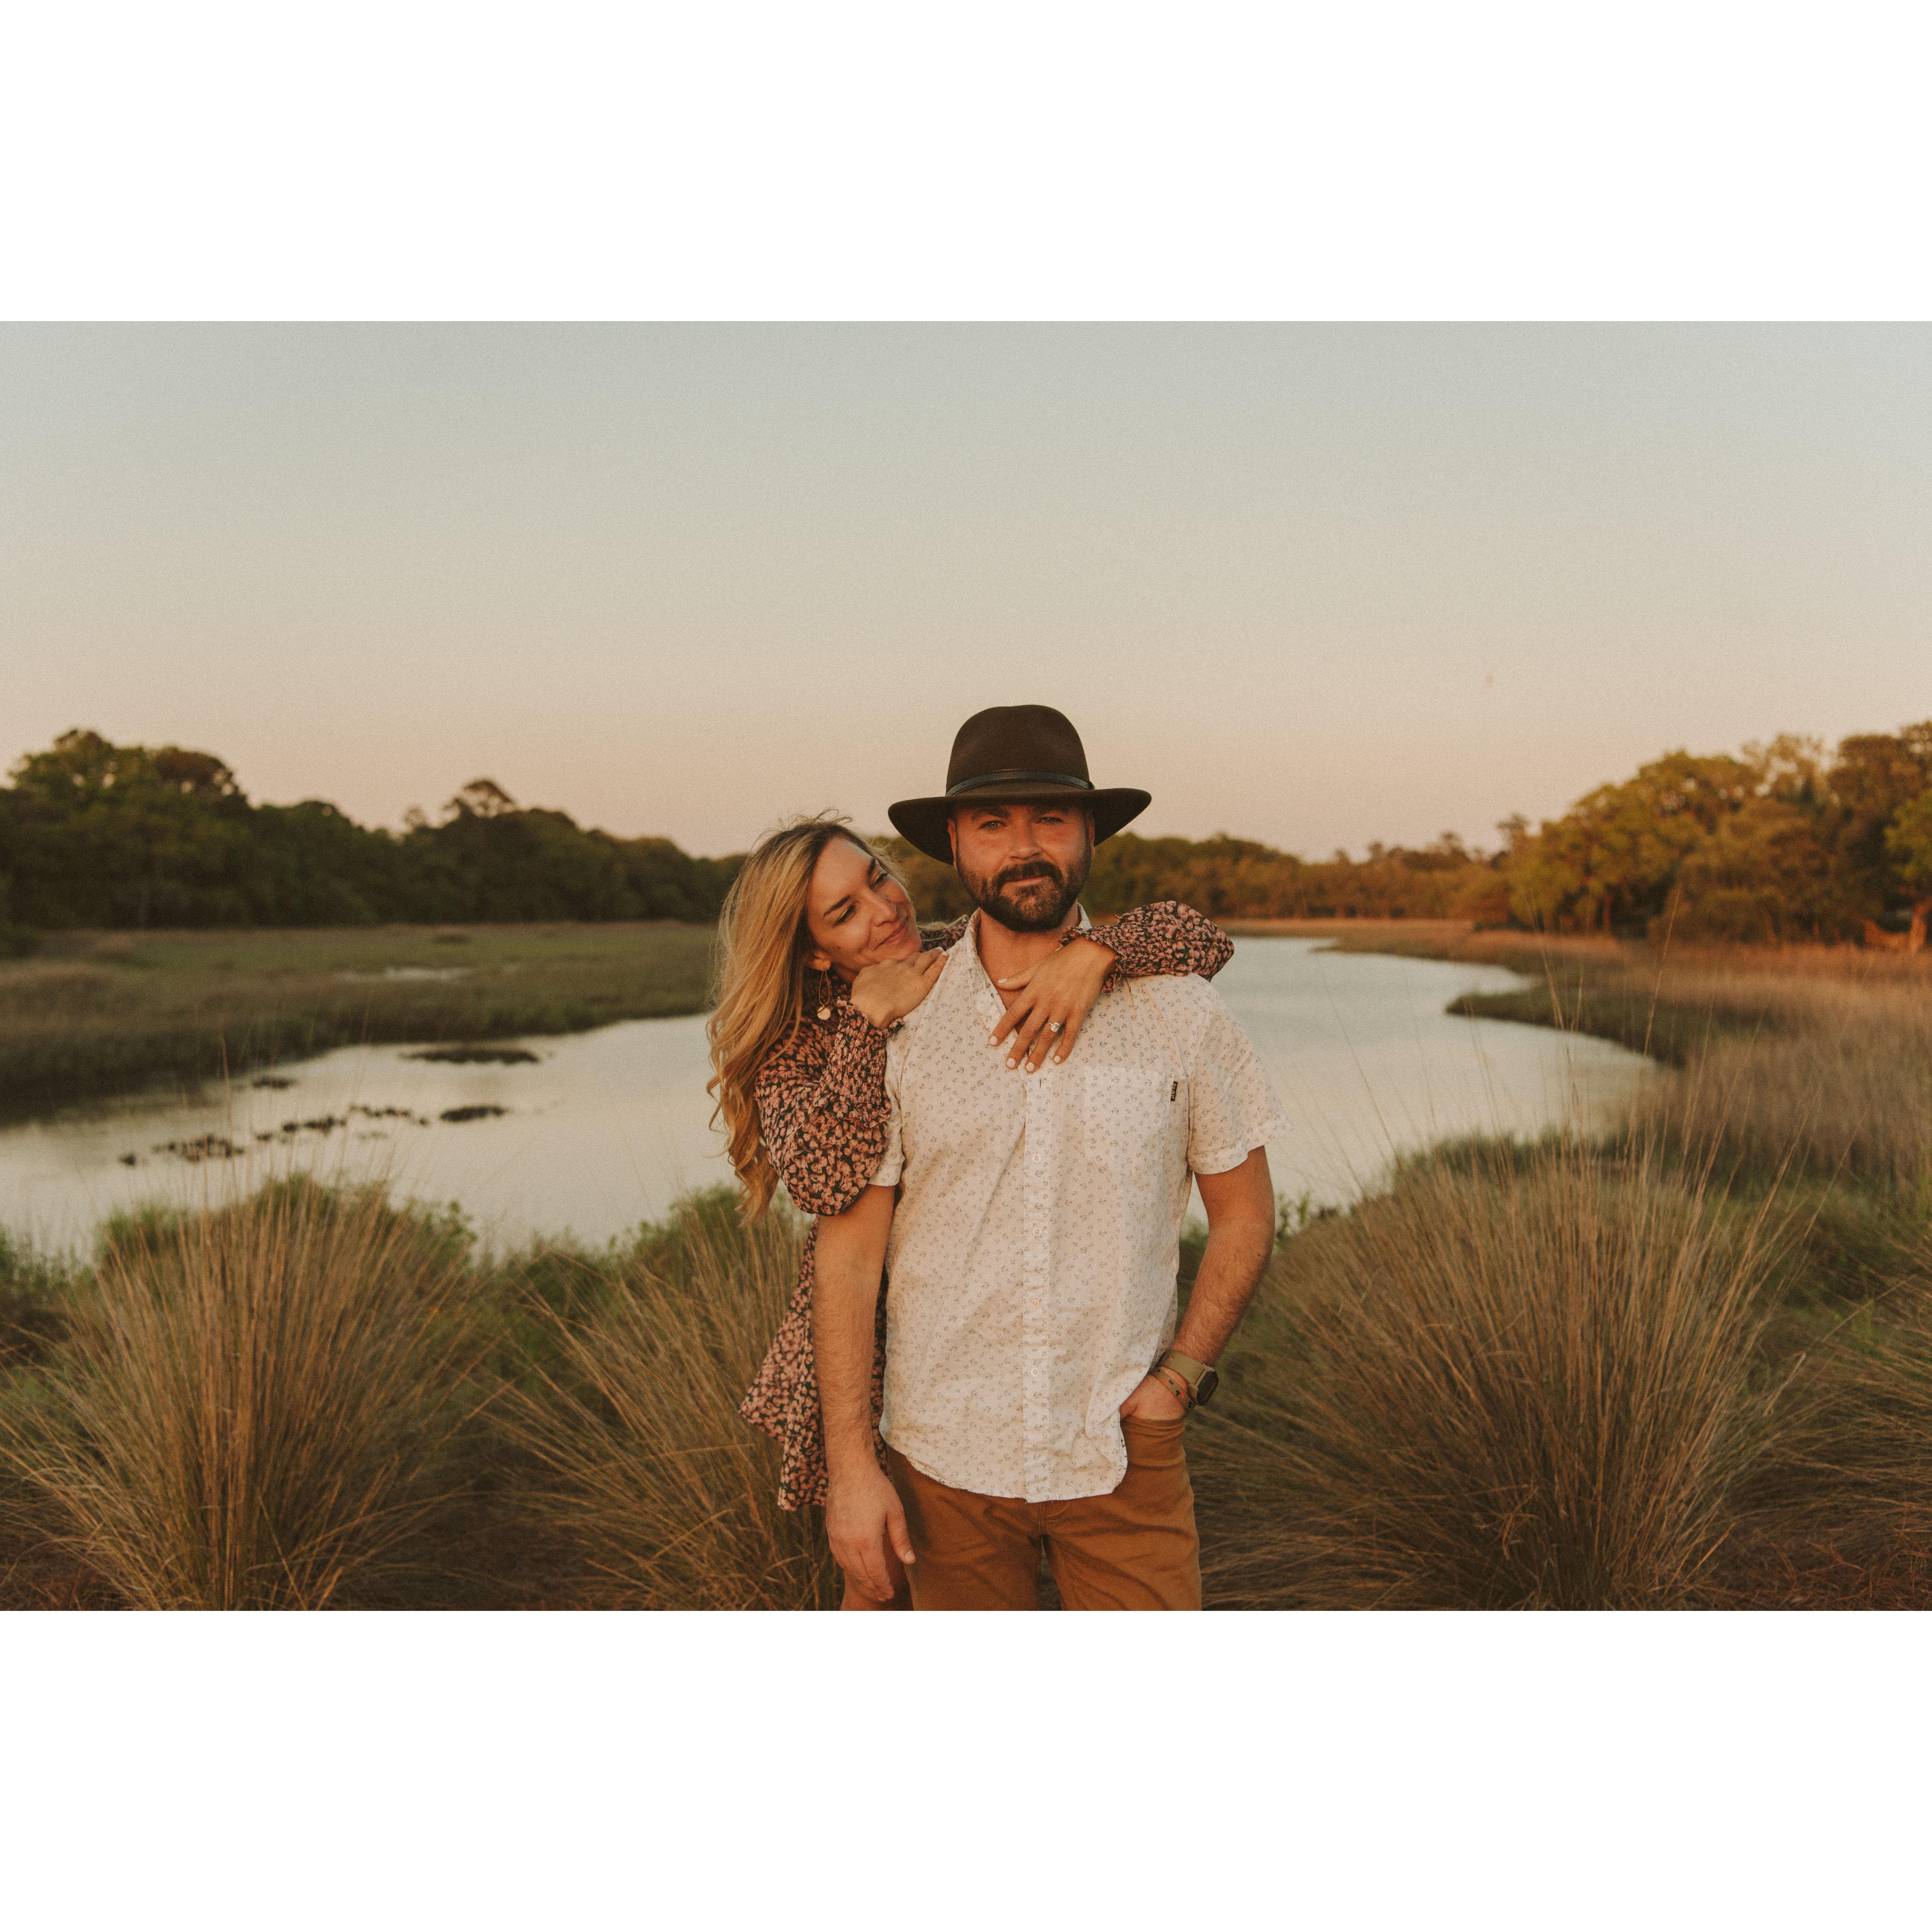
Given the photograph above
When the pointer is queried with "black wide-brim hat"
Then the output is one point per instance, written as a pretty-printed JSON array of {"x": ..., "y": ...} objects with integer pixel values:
[{"x": 1015, "y": 755}]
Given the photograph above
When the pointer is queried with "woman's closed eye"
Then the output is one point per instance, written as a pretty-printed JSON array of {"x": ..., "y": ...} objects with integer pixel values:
[{"x": 875, "y": 880}]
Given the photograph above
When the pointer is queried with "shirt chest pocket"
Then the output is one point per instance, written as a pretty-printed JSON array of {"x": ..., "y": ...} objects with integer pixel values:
[{"x": 1132, "y": 1119}]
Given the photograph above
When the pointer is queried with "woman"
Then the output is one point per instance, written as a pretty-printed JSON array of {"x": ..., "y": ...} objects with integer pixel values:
[{"x": 821, "y": 957}]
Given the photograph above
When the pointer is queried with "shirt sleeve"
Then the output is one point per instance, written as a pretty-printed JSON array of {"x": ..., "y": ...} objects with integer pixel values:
[
  {"x": 1232, "y": 1107},
  {"x": 824, "y": 1120},
  {"x": 1165, "y": 938},
  {"x": 892, "y": 1163}
]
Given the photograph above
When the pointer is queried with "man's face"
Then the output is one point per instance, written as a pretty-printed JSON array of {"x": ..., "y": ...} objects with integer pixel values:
[{"x": 1024, "y": 864}]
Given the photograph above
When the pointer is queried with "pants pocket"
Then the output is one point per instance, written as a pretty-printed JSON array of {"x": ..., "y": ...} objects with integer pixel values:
[{"x": 1152, "y": 1444}]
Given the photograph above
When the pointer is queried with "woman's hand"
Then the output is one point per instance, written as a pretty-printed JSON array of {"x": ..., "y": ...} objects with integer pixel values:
[
  {"x": 1062, "y": 987},
  {"x": 890, "y": 990}
]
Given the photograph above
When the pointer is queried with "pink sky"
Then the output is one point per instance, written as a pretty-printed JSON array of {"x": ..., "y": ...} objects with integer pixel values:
[{"x": 1317, "y": 584}]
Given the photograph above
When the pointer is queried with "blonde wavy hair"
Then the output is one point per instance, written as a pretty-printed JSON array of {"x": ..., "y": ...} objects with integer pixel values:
[{"x": 763, "y": 943}]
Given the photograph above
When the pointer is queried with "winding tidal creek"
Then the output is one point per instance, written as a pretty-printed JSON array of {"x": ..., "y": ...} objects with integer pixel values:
[{"x": 588, "y": 1134}]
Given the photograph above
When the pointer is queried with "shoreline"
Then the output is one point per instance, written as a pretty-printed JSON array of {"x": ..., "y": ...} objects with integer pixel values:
[
  {"x": 1423, "y": 929},
  {"x": 96, "y": 1014}
]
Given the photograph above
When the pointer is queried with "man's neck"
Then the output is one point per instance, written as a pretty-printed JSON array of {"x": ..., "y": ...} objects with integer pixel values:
[{"x": 1002, "y": 952}]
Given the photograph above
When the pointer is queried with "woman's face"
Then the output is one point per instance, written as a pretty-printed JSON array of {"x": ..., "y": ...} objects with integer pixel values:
[{"x": 856, "y": 914}]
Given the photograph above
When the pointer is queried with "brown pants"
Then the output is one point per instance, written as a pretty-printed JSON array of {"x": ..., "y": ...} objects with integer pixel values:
[{"x": 1133, "y": 1550}]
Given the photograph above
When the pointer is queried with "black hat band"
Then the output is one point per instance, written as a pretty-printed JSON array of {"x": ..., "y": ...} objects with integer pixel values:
[{"x": 986, "y": 778}]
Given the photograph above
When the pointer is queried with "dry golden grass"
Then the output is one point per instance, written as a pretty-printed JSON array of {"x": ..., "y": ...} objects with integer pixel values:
[
  {"x": 1836, "y": 1080},
  {"x": 645, "y": 1462},
  {"x": 1839, "y": 1514},
  {"x": 1517, "y": 1381},
  {"x": 247, "y": 1408}
]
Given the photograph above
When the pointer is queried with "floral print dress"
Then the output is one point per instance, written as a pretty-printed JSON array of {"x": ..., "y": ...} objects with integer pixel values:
[{"x": 822, "y": 1110}]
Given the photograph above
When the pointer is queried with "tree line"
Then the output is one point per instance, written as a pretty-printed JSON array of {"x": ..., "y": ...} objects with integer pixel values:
[
  {"x": 1239, "y": 878},
  {"x": 95, "y": 834},
  {"x": 1782, "y": 842}
]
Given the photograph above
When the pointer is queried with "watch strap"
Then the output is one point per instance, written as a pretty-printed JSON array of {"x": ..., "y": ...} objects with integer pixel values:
[
  {"x": 1190, "y": 1371},
  {"x": 1175, "y": 1383}
]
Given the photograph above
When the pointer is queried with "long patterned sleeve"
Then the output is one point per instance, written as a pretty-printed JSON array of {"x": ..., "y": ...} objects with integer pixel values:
[
  {"x": 1165, "y": 938},
  {"x": 823, "y": 1112}
]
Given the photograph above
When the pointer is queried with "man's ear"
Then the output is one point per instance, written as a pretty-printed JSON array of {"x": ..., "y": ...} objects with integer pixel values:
[{"x": 952, "y": 838}]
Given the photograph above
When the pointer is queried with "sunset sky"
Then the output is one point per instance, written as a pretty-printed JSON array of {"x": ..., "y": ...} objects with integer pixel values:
[{"x": 1317, "y": 584}]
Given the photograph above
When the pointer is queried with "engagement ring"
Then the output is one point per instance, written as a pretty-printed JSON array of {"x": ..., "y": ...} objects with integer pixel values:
[{"x": 1053, "y": 1026}]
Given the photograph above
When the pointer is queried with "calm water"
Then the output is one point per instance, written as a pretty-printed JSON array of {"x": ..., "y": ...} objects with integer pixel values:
[{"x": 603, "y": 1128}]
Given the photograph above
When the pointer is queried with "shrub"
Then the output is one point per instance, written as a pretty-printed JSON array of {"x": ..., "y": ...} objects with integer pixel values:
[
  {"x": 248, "y": 1405},
  {"x": 1522, "y": 1384},
  {"x": 1840, "y": 1515}
]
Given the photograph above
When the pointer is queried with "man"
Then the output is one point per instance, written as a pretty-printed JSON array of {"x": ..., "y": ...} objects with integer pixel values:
[{"x": 1035, "y": 1385}]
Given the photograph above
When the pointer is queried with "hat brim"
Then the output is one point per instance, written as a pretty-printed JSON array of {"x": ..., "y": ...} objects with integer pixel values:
[{"x": 922, "y": 822}]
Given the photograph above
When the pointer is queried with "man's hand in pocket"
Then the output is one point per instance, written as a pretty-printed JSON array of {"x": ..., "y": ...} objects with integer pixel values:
[{"x": 1153, "y": 1401}]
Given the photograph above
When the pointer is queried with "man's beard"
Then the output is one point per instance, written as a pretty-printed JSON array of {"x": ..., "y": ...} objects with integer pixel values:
[{"x": 1042, "y": 908}]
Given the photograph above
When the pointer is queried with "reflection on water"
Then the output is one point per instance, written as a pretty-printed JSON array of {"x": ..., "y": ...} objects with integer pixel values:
[{"x": 600, "y": 1130}]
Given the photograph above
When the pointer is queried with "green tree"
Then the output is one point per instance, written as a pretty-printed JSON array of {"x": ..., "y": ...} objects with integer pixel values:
[
  {"x": 107, "y": 835},
  {"x": 1873, "y": 780},
  {"x": 93, "y": 833},
  {"x": 1612, "y": 862},
  {"x": 1761, "y": 878},
  {"x": 1908, "y": 840}
]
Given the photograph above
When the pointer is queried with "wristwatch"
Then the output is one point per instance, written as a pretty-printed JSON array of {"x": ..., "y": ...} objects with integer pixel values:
[{"x": 1201, "y": 1380}]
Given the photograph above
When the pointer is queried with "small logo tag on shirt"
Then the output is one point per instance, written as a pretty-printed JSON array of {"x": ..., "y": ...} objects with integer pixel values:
[{"x": 1174, "y": 1093}]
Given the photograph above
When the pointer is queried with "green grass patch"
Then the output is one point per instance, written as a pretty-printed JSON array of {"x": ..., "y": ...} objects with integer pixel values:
[{"x": 101, "y": 1013}]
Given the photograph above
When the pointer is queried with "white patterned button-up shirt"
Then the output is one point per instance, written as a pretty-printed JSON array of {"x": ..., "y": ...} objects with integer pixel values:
[{"x": 1035, "y": 1249}]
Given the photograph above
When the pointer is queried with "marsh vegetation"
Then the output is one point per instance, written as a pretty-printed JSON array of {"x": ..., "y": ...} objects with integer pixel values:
[
  {"x": 1688, "y": 1364},
  {"x": 101, "y": 1012}
]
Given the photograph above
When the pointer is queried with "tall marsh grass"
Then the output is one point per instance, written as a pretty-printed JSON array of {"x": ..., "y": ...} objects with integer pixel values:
[
  {"x": 247, "y": 1408},
  {"x": 644, "y": 1461},
  {"x": 1834, "y": 1079},
  {"x": 1518, "y": 1380},
  {"x": 1840, "y": 1515}
]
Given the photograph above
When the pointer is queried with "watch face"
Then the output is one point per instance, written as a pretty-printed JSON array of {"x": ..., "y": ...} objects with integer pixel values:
[{"x": 1208, "y": 1384}]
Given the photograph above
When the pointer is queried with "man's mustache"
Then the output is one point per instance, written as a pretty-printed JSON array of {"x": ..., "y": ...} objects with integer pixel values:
[{"x": 1037, "y": 869}]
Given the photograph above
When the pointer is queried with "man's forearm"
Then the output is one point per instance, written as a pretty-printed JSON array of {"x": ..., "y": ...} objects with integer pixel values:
[
  {"x": 1240, "y": 1239},
  {"x": 850, "y": 1262}
]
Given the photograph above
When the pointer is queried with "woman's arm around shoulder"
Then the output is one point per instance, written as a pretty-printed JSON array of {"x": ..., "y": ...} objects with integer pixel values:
[
  {"x": 1052, "y": 1001},
  {"x": 1165, "y": 938}
]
